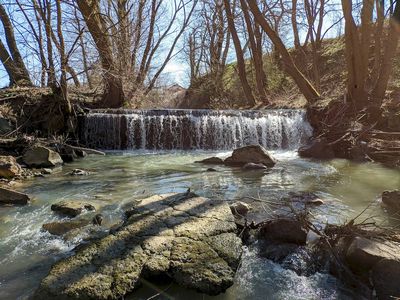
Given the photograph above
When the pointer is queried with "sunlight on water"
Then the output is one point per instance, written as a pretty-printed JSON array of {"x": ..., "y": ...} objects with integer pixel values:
[{"x": 26, "y": 253}]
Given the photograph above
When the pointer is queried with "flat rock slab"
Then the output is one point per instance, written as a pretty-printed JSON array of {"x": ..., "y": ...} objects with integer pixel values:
[
  {"x": 11, "y": 197},
  {"x": 191, "y": 239}
]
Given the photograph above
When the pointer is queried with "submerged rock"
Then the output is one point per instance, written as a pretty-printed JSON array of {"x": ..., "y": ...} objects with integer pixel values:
[
  {"x": 277, "y": 252},
  {"x": 9, "y": 168},
  {"x": 191, "y": 239},
  {"x": 71, "y": 208},
  {"x": 250, "y": 154},
  {"x": 79, "y": 172},
  {"x": 305, "y": 198},
  {"x": 12, "y": 197},
  {"x": 285, "y": 231},
  {"x": 211, "y": 161},
  {"x": 253, "y": 166},
  {"x": 392, "y": 199},
  {"x": 41, "y": 157},
  {"x": 239, "y": 209},
  {"x": 211, "y": 170}
]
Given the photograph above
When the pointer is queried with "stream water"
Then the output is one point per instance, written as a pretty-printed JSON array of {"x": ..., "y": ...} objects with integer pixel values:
[{"x": 26, "y": 253}]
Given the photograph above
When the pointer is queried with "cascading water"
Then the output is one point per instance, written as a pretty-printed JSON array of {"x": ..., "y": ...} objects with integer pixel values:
[{"x": 194, "y": 129}]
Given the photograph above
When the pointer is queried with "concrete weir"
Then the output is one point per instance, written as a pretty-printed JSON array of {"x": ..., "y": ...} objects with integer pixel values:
[{"x": 125, "y": 129}]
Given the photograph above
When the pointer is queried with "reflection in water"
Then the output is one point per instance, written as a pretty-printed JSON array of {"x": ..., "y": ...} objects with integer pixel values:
[{"x": 117, "y": 179}]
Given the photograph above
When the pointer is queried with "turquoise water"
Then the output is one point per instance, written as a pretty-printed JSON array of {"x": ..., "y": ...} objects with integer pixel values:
[{"x": 26, "y": 253}]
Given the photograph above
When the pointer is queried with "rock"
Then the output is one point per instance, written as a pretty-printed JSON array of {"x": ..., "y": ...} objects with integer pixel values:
[
  {"x": 12, "y": 197},
  {"x": 47, "y": 171},
  {"x": 211, "y": 161},
  {"x": 79, "y": 172},
  {"x": 68, "y": 155},
  {"x": 318, "y": 148},
  {"x": 362, "y": 254},
  {"x": 98, "y": 219},
  {"x": 250, "y": 154},
  {"x": 211, "y": 170},
  {"x": 277, "y": 252},
  {"x": 41, "y": 157},
  {"x": 9, "y": 168},
  {"x": 392, "y": 199},
  {"x": 61, "y": 228},
  {"x": 239, "y": 209},
  {"x": 188, "y": 238},
  {"x": 316, "y": 202},
  {"x": 71, "y": 208},
  {"x": 284, "y": 230},
  {"x": 80, "y": 153},
  {"x": 253, "y": 166},
  {"x": 385, "y": 279},
  {"x": 305, "y": 197}
]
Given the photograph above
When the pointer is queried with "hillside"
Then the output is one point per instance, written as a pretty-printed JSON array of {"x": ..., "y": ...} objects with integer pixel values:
[{"x": 281, "y": 90}]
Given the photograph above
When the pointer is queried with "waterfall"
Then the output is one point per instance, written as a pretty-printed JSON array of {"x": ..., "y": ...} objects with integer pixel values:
[{"x": 194, "y": 129}]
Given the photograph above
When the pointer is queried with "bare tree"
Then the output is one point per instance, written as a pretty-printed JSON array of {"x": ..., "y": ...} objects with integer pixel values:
[
  {"x": 306, "y": 88},
  {"x": 255, "y": 40},
  {"x": 12, "y": 61},
  {"x": 363, "y": 90},
  {"x": 113, "y": 95},
  {"x": 241, "y": 67}
]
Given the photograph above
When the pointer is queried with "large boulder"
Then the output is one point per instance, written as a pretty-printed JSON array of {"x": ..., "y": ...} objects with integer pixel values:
[
  {"x": 71, "y": 208},
  {"x": 386, "y": 279},
  {"x": 41, "y": 157},
  {"x": 285, "y": 231},
  {"x": 362, "y": 253},
  {"x": 12, "y": 197},
  {"x": 9, "y": 168},
  {"x": 250, "y": 154},
  {"x": 191, "y": 239},
  {"x": 317, "y": 148},
  {"x": 392, "y": 199}
]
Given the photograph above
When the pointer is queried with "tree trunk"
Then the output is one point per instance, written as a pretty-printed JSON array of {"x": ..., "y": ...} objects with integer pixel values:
[
  {"x": 113, "y": 95},
  {"x": 239, "y": 55},
  {"x": 306, "y": 88},
  {"x": 20, "y": 73},
  {"x": 379, "y": 91},
  {"x": 294, "y": 25},
  {"x": 256, "y": 50}
]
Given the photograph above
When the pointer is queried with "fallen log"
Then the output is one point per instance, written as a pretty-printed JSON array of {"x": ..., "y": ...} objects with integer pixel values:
[{"x": 87, "y": 150}]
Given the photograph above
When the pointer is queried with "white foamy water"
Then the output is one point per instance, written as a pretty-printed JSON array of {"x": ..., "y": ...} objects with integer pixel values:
[{"x": 194, "y": 129}]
